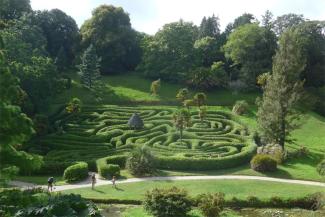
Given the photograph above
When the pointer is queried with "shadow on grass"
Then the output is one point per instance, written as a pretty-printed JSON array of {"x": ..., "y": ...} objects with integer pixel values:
[{"x": 99, "y": 191}]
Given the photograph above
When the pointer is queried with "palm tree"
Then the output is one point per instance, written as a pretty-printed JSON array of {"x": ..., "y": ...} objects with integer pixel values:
[
  {"x": 182, "y": 119},
  {"x": 200, "y": 99}
]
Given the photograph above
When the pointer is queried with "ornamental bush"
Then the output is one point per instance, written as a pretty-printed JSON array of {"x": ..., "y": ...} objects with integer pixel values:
[
  {"x": 240, "y": 107},
  {"x": 140, "y": 162},
  {"x": 76, "y": 172},
  {"x": 108, "y": 170},
  {"x": 321, "y": 168},
  {"x": 263, "y": 163},
  {"x": 173, "y": 202},
  {"x": 211, "y": 205}
]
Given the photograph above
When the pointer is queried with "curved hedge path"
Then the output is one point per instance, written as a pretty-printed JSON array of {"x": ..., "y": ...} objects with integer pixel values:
[
  {"x": 87, "y": 183},
  {"x": 219, "y": 141}
]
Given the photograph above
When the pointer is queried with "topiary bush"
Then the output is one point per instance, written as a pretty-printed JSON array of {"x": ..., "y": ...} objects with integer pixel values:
[
  {"x": 263, "y": 163},
  {"x": 240, "y": 107},
  {"x": 211, "y": 205},
  {"x": 321, "y": 168},
  {"x": 76, "y": 172},
  {"x": 109, "y": 170},
  {"x": 140, "y": 162},
  {"x": 172, "y": 202}
]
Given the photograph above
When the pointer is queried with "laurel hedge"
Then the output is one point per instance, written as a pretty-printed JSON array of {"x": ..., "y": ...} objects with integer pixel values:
[{"x": 76, "y": 172}]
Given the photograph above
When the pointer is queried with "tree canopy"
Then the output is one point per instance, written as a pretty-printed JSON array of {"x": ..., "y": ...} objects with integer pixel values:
[
  {"x": 169, "y": 54},
  {"x": 13, "y": 9},
  {"x": 109, "y": 30},
  {"x": 250, "y": 48}
]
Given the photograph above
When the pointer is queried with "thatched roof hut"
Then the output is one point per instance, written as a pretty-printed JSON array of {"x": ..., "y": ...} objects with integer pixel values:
[{"x": 135, "y": 121}]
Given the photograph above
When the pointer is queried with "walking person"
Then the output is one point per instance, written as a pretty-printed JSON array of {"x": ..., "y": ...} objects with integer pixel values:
[
  {"x": 113, "y": 182},
  {"x": 50, "y": 182},
  {"x": 93, "y": 181}
]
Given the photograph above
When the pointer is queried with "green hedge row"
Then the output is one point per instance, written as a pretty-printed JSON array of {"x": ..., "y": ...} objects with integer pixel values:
[
  {"x": 205, "y": 163},
  {"x": 309, "y": 202},
  {"x": 110, "y": 166},
  {"x": 76, "y": 172}
]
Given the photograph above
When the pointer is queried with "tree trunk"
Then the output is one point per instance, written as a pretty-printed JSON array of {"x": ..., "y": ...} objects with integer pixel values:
[
  {"x": 282, "y": 131},
  {"x": 181, "y": 135}
]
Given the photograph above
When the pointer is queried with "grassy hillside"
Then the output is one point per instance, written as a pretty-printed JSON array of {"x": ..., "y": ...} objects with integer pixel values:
[{"x": 131, "y": 88}]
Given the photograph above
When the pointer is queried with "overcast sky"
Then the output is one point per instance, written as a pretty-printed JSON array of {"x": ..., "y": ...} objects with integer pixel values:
[{"x": 150, "y": 15}]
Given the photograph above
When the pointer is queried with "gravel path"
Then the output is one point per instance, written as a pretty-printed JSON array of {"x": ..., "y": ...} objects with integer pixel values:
[{"x": 87, "y": 183}]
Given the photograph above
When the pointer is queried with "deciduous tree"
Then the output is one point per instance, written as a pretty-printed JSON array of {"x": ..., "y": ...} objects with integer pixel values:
[{"x": 109, "y": 30}]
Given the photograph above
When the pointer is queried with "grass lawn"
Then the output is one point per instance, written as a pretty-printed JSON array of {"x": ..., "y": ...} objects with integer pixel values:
[
  {"x": 232, "y": 188},
  {"x": 131, "y": 88}
]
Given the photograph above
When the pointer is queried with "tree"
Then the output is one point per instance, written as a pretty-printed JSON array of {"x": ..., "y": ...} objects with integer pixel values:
[
  {"x": 207, "y": 50},
  {"x": 182, "y": 120},
  {"x": 155, "y": 86},
  {"x": 141, "y": 162},
  {"x": 188, "y": 103},
  {"x": 109, "y": 30},
  {"x": 276, "y": 114},
  {"x": 251, "y": 48},
  {"x": 209, "y": 27},
  {"x": 89, "y": 67},
  {"x": 15, "y": 127},
  {"x": 13, "y": 9},
  {"x": 242, "y": 20},
  {"x": 202, "y": 113},
  {"x": 200, "y": 99},
  {"x": 286, "y": 21},
  {"x": 221, "y": 76},
  {"x": 267, "y": 20},
  {"x": 170, "y": 54},
  {"x": 312, "y": 42},
  {"x": 61, "y": 60},
  {"x": 23, "y": 40},
  {"x": 39, "y": 79},
  {"x": 182, "y": 94},
  {"x": 62, "y": 35}
]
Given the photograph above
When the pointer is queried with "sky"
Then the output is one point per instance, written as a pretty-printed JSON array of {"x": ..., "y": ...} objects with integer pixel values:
[{"x": 150, "y": 15}]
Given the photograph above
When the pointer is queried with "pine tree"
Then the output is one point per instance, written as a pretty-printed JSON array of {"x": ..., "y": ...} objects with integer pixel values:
[
  {"x": 276, "y": 113},
  {"x": 89, "y": 68},
  {"x": 209, "y": 27}
]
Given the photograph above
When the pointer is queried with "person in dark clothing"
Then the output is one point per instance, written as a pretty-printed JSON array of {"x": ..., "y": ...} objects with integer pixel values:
[
  {"x": 50, "y": 182},
  {"x": 93, "y": 181}
]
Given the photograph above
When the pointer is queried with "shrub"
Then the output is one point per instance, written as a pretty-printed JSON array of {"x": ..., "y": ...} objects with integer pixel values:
[
  {"x": 171, "y": 202},
  {"x": 140, "y": 162},
  {"x": 240, "y": 107},
  {"x": 109, "y": 170},
  {"x": 76, "y": 172},
  {"x": 263, "y": 163},
  {"x": 273, "y": 150},
  {"x": 211, "y": 205},
  {"x": 321, "y": 168}
]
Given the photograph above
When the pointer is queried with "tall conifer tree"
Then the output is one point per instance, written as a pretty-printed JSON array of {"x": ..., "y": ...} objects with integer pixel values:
[{"x": 89, "y": 68}]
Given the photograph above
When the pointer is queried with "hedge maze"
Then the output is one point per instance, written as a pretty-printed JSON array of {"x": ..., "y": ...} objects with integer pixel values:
[{"x": 219, "y": 141}]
